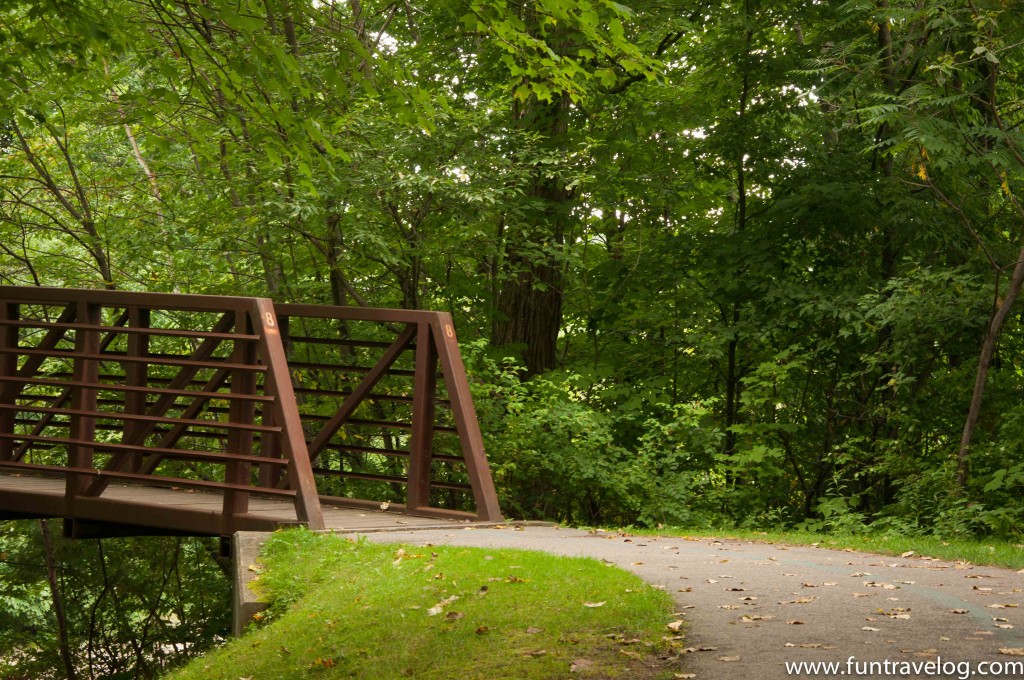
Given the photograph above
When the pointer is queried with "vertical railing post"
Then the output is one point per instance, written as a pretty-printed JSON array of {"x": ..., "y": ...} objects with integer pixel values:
[
  {"x": 293, "y": 441},
  {"x": 136, "y": 374},
  {"x": 466, "y": 424},
  {"x": 423, "y": 401},
  {"x": 270, "y": 444},
  {"x": 8, "y": 368},
  {"x": 241, "y": 411},
  {"x": 86, "y": 373}
]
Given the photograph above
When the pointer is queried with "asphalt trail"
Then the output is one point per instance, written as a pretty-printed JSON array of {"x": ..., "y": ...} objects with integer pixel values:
[{"x": 753, "y": 607}]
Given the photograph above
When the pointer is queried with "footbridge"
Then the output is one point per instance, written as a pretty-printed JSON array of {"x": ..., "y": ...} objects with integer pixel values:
[{"x": 152, "y": 413}]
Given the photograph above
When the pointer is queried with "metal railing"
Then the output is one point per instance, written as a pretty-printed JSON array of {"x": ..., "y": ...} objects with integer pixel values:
[{"x": 233, "y": 395}]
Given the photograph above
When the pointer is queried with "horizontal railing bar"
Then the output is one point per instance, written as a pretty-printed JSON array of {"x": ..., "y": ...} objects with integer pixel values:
[
  {"x": 454, "y": 486},
  {"x": 47, "y": 398},
  {"x": 118, "y": 298},
  {"x": 309, "y": 340},
  {"x": 153, "y": 480},
  {"x": 378, "y": 314},
  {"x": 341, "y": 368},
  {"x": 373, "y": 395},
  {"x": 174, "y": 454},
  {"x": 157, "y": 431},
  {"x": 139, "y": 330},
  {"x": 390, "y": 479},
  {"x": 386, "y": 423},
  {"x": 388, "y": 452},
  {"x": 121, "y": 376},
  {"x": 115, "y": 415},
  {"x": 123, "y": 358},
  {"x": 110, "y": 387}
]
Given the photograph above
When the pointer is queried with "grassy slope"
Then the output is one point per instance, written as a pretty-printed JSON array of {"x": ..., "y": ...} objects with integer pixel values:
[{"x": 347, "y": 609}]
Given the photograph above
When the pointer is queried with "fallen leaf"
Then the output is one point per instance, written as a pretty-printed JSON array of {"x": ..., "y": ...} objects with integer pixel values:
[
  {"x": 1002, "y": 606},
  {"x": 593, "y": 604},
  {"x": 384, "y": 506},
  {"x": 907, "y": 554},
  {"x": 794, "y": 622},
  {"x": 535, "y": 653},
  {"x": 439, "y": 607},
  {"x": 481, "y": 630},
  {"x": 799, "y": 600},
  {"x": 533, "y": 631},
  {"x": 453, "y": 616},
  {"x": 1012, "y": 651},
  {"x": 676, "y": 625},
  {"x": 870, "y": 629},
  {"x": 580, "y": 665},
  {"x": 1004, "y": 626},
  {"x": 751, "y": 618},
  {"x": 685, "y": 676},
  {"x": 957, "y": 611},
  {"x": 728, "y": 658}
]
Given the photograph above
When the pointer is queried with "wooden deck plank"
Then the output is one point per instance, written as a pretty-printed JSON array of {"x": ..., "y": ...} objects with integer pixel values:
[{"x": 51, "y": 490}]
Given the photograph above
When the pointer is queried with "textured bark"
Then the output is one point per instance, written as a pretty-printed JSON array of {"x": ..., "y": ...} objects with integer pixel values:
[
  {"x": 988, "y": 346},
  {"x": 58, "y": 602},
  {"x": 529, "y": 300}
]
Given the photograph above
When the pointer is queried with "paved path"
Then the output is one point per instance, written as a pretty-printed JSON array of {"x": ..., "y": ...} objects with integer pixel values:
[{"x": 756, "y": 606}]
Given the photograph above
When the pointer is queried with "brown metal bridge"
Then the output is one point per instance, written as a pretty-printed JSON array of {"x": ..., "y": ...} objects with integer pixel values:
[{"x": 162, "y": 413}]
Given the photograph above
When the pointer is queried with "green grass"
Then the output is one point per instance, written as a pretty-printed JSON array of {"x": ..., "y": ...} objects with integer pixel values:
[
  {"x": 992, "y": 552},
  {"x": 360, "y": 610}
]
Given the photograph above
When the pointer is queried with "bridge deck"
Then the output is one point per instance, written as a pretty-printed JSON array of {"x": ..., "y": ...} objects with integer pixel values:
[{"x": 44, "y": 497}]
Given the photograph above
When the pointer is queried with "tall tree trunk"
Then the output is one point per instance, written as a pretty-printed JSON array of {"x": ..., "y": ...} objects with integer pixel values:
[
  {"x": 529, "y": 301},
  {"x": 58, "y": 602},
  {"x": 988, "y": 346},
  {"x": 733, "y": 374}
]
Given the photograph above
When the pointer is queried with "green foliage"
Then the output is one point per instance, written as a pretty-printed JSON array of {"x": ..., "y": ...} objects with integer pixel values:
[
  {"x": 760, "y": 242},
  {"x": 134, "y": 607}
]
